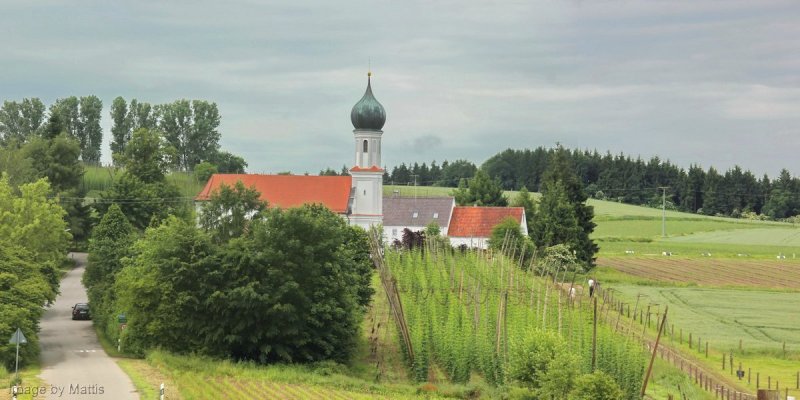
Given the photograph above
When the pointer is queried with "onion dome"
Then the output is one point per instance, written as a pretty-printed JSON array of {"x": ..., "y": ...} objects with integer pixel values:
[{"x": 368, "y": 114}]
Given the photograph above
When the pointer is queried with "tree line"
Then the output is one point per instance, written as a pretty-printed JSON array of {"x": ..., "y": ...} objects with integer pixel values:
[
  {"x": 189, "y": 127},
  {"x": 735, "y": 192}
]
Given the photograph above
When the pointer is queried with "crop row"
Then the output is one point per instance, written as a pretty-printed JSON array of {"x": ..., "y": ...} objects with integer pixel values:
[
  {"x": 717, "y": 272},
  {"x": 463, "y": 309}
]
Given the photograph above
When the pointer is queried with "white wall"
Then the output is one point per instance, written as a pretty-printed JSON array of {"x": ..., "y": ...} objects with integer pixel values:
[{"x": 473, "y": 242}]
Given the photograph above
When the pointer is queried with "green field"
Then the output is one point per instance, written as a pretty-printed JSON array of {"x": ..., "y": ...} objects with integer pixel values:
[{"x": 98, "y": 179}]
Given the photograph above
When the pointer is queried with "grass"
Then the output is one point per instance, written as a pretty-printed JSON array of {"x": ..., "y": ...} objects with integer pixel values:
[
  {"x": 98, "y": 179},
  {"x": 761, "y": 319},
  {"x": 195, "y": 377},
  {"x": 667, "y": 380},
  {"x": 30, "y": 387}
]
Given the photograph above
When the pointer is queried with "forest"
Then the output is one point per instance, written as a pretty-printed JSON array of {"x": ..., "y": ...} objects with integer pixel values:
[{"x": 736, "y": 192}]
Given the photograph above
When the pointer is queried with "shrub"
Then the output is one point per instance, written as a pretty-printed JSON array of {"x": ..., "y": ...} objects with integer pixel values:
[
  {"x": 596, "y": 386},
  {"x": 542, "y": 361}
]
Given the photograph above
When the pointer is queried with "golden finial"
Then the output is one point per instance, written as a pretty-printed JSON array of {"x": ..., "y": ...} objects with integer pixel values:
[{"x": 369, "y": 67}]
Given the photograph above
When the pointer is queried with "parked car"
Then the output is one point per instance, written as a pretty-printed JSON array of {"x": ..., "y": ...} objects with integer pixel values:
[{"x": 81, "y": 311}]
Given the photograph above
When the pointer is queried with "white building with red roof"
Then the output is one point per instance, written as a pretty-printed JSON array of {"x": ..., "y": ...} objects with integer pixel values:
[
  {"x": 472, "y": 226},
  {"x": 358, "y": 197}
]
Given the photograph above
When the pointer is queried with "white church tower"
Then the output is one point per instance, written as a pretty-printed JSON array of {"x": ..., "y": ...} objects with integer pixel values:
[{"x": 368, "y": 117}]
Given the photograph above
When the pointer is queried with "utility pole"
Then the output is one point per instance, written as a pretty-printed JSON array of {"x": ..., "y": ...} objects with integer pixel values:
[{"x": 663, "y": 210}]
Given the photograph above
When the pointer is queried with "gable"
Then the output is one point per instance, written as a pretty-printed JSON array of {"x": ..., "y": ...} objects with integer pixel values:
[{"x": 288, "y": 191}]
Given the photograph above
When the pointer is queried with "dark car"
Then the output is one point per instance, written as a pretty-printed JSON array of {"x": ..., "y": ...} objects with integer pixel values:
[{"x": 81, "y": 311}]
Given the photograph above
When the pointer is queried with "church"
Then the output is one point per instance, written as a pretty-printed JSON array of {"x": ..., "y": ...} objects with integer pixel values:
[{"x": 359, "y": 197}]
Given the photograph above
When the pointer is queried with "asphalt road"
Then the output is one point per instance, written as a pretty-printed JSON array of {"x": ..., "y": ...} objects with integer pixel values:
[{"x": 73, "y": 362}]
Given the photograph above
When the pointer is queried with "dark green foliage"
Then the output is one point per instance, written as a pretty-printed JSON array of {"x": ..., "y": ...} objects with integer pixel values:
[
  {"x": 228, "y": 163},
  {"x": 142, "y": 191},
  {"x": 293, "y": 288},
  {"x": 230, "y": 210},
  {"x": 555, "y": 221},
  {"x": 620, "y": 178},
  {"x": 144, "y": 203},
  {"x": 568, "y": 194},
  {"x": 57, "y": 159},
  {"x": 112, "y": 240},
  {"x": 480, "y": 191}
]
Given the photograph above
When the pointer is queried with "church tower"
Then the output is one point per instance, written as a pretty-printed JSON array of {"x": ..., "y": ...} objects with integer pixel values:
[{"x": 368, "y": 117}]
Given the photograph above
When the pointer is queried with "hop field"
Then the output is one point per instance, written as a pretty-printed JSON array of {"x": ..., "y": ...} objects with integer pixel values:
[{"x": 463, "y": 310}]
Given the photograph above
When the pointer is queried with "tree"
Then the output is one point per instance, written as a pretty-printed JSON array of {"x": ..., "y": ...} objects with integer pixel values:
[
  {"x": 81, "y": 120},
  {"x": 90, "y": 130},
  {"x": 228, "y": 163},
  {"x": 526, "y": 201},
  {"x": 555, "y": 221},
  {"x": 20, "y": 121},
  {"x": 204, "y": 170},
  {"x": 147, "y": 156},
  {"x": 120, "y": 126},
  {"x": 560, "y": 176},
  {"x": 453, "y": 173},
  {"x": 230, "y": 210},
  {"x": 507, "y": 234},
  {"x": 480, "y": 191},
  {"x": 56, "y": 159},
  {"x": 191, "y": 128},
  {"x": 143, "y": 203},
  {"x": 293, "y": 289},
  {"x": 112, "y": 240}
]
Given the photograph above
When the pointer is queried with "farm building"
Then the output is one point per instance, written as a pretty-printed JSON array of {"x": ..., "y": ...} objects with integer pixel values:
[
  {"x": 415, "y": 213},
  {"x": 472, "y": 226}
]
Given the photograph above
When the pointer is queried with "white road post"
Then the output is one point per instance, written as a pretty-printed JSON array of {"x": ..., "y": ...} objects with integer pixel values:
[{"x": 161, "y": 395}]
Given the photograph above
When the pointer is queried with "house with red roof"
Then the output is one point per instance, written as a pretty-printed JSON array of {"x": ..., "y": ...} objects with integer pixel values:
[{"x": 472, "y": 226}]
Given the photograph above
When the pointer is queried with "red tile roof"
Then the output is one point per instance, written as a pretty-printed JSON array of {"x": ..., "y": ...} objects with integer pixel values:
[
  {"x": 479, "y": 221},
  {"x": 287, "y": 191}
]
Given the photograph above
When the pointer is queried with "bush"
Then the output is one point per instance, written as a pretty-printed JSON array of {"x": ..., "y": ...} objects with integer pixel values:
[
  {"x": 204, "y": 170},
  {"x": 542, "y": 361},
  {"x": 596, "y": 386}
]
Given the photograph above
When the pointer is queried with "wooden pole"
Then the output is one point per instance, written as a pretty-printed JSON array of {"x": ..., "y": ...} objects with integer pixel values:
[
  {"x": 594, "y": 335},
  {"x": 653, "y": 357}
]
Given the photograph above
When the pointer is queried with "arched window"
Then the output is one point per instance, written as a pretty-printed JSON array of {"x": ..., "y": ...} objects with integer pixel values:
[{"x": 365, "y": 146}]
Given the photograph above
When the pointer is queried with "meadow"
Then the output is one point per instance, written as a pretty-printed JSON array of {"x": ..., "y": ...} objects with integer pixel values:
[{"x": 97, "y": 179}]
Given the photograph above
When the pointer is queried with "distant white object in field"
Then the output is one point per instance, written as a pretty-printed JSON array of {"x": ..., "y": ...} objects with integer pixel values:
[
  {"x": 743, "y": 255},
  {"x": 781, "y": 256},
  {"x": 629, "y": 251},
  {"x": 706, "y": 254},
  {"x": 666, "y": 253}
]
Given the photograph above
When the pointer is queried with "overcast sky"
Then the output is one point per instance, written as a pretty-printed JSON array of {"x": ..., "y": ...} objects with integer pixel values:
[{"x": 715, "y": 83}]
